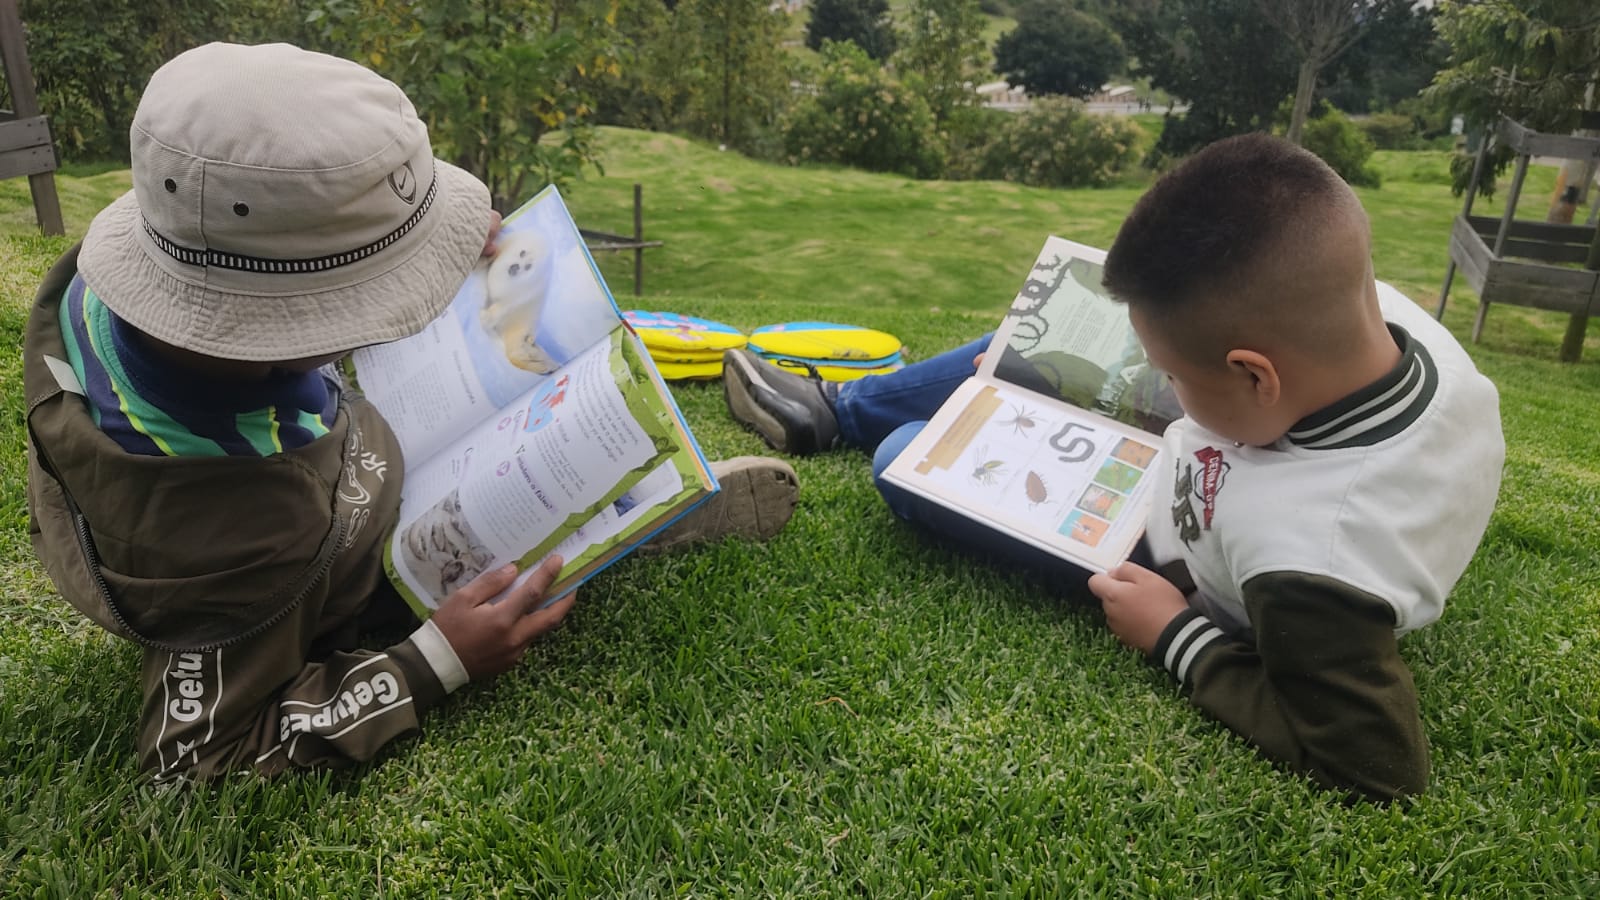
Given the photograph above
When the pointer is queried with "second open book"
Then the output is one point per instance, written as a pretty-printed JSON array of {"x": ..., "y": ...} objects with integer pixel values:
[{"x": 1055, "y": 439}]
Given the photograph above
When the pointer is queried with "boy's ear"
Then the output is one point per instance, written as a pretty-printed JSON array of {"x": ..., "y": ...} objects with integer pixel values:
[{"x": 1266, "y": 384}]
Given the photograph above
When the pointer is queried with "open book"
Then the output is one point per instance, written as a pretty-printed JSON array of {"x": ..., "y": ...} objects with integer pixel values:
[
  {"x": 531, "y": 421},
  {"x": 1055, "y": 440}
]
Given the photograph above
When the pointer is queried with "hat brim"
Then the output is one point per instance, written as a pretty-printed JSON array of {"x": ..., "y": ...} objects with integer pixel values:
[{"x": 287, "y": 325}]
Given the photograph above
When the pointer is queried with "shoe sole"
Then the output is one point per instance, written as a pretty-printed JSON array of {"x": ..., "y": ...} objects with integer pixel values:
[
  {"x": 757, "y": 499},
  {"x": 739, "y": 373}
]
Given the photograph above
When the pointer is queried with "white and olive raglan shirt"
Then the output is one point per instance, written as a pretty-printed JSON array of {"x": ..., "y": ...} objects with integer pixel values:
[{"x": 1308, "y": 558}]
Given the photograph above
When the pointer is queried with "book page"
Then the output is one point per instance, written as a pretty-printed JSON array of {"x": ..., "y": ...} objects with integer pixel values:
[
  {"x": 657, "y": 499},
  {"x": 533, "y": 306},
  {"x": 562, "y": 457},
  {"x": 1064, "y": 337},
  {"x": 1071, "y": 483}
]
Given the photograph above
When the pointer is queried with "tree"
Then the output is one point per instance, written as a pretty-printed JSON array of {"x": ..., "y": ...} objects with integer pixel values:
[
  {"x": 92, "y": 58},
  {"x": 1318, "y": 30},
  {"x": 1055, "y": 49},
  {"x": 1394, "y": 58},
  {"x": 1536, "y": 61},
  {"x": 1532, "y": 60},
  {"x": 941, "y": 50},
  {"x": 651, "y": 91},
  {"x": 1218, "y": 56},
  {"x": 863, "y": 22},
  {"x": 736, "y": 70},
  {"x": 500, "y": 83}
]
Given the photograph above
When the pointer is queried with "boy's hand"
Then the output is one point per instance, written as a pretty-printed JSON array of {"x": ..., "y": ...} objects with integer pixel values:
[
  {"x": 490, "y": 241},
  {"x": 1138, "y": 604},
  {"x": 490, "y": 638}
]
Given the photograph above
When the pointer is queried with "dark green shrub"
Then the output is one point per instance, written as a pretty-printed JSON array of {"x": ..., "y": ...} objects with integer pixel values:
[
  {"x": 1058, "y": 144},
  {"x": 1331, "y": 135},
  {"x": 861, "y": 117},
  {"x": 969, "y": 131},
  {"x": 1390, "y": 131}
]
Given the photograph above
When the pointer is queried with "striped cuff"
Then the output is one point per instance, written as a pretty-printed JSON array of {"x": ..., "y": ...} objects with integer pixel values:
[
  {"x": 1183, "y": 641},
  {"x": 436, "y": 649}
]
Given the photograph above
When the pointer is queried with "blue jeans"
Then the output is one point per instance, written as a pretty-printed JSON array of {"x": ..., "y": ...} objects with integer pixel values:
[{"x": 882, "y": 413}]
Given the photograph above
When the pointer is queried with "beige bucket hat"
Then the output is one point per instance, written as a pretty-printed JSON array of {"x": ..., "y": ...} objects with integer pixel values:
[{"x": 285, "y": 204}]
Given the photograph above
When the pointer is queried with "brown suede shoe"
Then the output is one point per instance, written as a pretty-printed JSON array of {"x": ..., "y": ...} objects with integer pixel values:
[{"x": 758, "y": 496}]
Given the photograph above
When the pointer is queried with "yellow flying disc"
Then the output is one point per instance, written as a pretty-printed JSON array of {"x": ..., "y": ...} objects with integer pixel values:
[
  {"x": 676, "y": 333},
  {"x": 823, "y": 341},
  {"x": 837, "y": 373},
  {"x": 690, "y": 371}
]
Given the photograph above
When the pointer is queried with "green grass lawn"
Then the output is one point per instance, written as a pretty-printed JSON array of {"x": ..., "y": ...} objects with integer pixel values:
[{"x": 851, "y": 709}]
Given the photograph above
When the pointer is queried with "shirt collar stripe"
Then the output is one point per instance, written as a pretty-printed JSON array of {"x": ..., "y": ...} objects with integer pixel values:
[
  {"x": 1374, "y": 430},
  {"x": 1354, "y": 426},
  {"x": 1385, "y": 408},
  {"x": 1395, "y": 396}
]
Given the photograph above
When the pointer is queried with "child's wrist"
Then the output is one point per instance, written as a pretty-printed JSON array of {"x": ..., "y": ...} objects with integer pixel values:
[
  {"x": 1182, "y": 642},
  {"x": 441, "y": 657}
]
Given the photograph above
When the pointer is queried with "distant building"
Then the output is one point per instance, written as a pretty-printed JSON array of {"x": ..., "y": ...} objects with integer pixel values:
[
  {"x": 1001, "y": 95},
  {"x": 1115, "y": 93}
]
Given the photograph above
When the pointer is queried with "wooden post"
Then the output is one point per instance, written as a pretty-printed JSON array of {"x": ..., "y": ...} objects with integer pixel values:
[
  {"x": 638, "y": 239},
  {"x": 1512, "y": 196},
  {"x": 1578, "y": 325},
  {"x": 1466, "y": 210},
  {"x": 25, "y": 103}
]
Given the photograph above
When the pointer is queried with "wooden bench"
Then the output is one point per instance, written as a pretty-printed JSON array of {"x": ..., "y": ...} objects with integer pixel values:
[
  {"x": 25, "y": 145},
  {"x": 607, "y": 241},
  {"x": 1533, "y": 264}
]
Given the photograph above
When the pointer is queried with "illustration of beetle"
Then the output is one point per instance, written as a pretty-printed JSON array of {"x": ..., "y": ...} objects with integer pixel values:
[{"x": 1035, "y": 488}]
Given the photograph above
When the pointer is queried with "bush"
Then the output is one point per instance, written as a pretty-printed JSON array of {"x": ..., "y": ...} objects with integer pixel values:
[
  {"x": 1391, "y": 131},
  {"x": 860, "y": 116},
  {"x": 1332, "y": 136},
  {"x": 969, "y": 132},
  {"x": 1059, "y": 144}
]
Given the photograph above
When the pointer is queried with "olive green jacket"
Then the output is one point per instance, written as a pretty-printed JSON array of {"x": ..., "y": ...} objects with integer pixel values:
[{"x": 245, "y": 580}]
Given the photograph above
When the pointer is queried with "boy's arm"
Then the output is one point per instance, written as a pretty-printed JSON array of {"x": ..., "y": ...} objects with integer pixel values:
[
  {"x": 1324, "y": 690},
  {"x": 260, "y": 704},
  {"x": 263, "y": 704}
]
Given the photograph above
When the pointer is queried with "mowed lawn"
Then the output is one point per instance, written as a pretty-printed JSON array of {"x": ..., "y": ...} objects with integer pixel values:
[{"x": 853, "y": 709}]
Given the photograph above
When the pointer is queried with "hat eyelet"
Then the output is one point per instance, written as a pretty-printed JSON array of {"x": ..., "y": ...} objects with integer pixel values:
[
  {"x": 240, "y": 209},
  {"x": 170, "y": 185}
]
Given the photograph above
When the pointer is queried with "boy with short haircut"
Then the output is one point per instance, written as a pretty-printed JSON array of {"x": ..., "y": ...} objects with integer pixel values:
[
  {"x": 198, "y": 486},
  {"x": 1337, "y": 463},
  {"x": 1335, "y": 468}
]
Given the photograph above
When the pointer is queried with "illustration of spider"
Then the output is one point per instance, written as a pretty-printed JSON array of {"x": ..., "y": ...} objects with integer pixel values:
[
  {"x": 986, "y": 471},
  {"x": 1022, "y": 419}
]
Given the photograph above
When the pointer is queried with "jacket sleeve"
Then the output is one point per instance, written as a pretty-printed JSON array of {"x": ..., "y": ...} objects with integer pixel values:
[
  {"x": 1323, "y": 690},
  {"x": 261, "y": 704}
]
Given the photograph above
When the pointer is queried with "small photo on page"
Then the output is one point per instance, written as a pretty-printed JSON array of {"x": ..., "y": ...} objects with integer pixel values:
[
  {"x": 1134, "y": 453},
  {"x": 442, "y": 551},
  {"x": 1101, "y": 502},
  {"x": 533, "y": 305},
  {"x": 1084, "y": 528},
  {"x": 1119, "y": 477}
]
